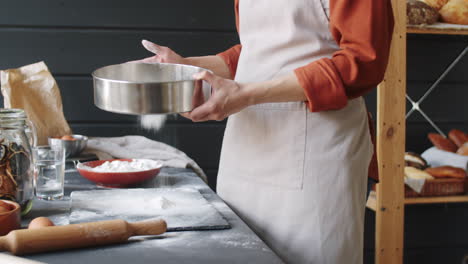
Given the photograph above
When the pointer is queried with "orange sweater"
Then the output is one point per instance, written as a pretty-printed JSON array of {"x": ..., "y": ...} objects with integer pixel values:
[{"x": 363, "y": 30}]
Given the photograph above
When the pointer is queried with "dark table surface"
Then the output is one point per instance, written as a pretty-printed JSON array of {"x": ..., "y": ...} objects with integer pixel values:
[{"x": 236, "y": 245}]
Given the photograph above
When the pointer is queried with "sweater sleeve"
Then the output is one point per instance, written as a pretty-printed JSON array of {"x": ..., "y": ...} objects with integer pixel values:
[
  {"x": 231, "y": 56},
  {"x": 363, "y": 30}
]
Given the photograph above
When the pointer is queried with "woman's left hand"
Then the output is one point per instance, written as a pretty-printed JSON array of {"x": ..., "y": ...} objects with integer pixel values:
[{"x": 227, "y": 97}]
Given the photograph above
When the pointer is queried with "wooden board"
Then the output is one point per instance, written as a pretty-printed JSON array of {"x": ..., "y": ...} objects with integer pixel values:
[
  {"x": 391, "y": 147},
  {"x": 184, "y": 209}
]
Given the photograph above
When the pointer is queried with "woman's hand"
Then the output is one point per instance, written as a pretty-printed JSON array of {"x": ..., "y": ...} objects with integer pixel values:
[
  {"x": 228, "y": 97},
  {"x": 161, "y": 54}
]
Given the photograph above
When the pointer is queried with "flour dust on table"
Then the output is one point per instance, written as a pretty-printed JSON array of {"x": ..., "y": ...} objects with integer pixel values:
[{"x": 182, "y": 208}]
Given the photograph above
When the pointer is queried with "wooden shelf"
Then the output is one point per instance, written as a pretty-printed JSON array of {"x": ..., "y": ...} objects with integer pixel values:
[
  {"x": 372, "y": 200},
  {"x": 437, "y": 30},
  {"x": 440, "y": 199}
]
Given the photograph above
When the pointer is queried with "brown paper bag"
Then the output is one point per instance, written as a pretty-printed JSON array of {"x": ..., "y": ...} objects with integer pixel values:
[{"x": 33, "y": 89}]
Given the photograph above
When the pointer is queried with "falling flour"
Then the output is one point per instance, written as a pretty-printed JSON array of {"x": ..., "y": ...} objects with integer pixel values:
[{"x": 153, "y": 122}]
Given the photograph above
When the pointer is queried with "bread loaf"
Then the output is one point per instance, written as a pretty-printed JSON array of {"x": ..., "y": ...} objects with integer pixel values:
[
  {"x": 417, "y": 174},
  {"x": 437, "y": 4},
  {"x": 415, "y": 160},
  {"x": 463, "y": 150},
  {"x": 455, "y": 12},
  {"x": 419, "y": 13},
  {"x": 458, "y": 137},
  {"x": 442, "y": 143},
  {"x": 446, "y": 172}
]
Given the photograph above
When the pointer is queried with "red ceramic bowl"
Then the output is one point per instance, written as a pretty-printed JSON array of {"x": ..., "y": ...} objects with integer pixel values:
[
  {"x": 10, "y": 220},
  {"x": 116, "y": 179}
]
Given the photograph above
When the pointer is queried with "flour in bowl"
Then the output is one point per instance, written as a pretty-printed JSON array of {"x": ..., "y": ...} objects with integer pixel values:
[{"x": 124, "y": 166}]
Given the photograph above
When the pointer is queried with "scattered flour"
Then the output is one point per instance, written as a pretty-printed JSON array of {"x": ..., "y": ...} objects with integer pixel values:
[
  {"x": 165, "y": 203},
  {"x": 124, "y": 166},
  {"x": 180, "y": 207}
]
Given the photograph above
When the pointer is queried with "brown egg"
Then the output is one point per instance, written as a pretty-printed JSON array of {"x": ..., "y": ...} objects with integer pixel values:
[
  {"x": 4, "y": 207},
  {"x": 40, "y": 222},
  {"x": 68, "y": 138}
]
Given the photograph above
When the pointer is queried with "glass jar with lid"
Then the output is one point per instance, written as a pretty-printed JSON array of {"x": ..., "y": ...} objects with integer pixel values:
[{"x": 17, "y": 135}]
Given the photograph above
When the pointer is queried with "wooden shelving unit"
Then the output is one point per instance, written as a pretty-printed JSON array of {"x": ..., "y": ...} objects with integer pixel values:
[
  {"x": 441, "y": 199},
  {"x": 437, "y": 31},
  {"x": 388, "y": 200},
  {"x": 372, "y": 202}
]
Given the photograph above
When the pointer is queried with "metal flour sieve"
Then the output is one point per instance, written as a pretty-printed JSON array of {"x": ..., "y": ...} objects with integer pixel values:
[{"x": 141, "y": 88}]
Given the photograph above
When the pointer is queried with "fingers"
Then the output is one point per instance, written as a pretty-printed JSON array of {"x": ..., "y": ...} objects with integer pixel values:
[
  {"x": 189, "y": 115},
  {"x": 153, "y": 59},
  {"x": 208, "y": 111},
  {"x": 150, "y": 46},
  {"x": 133, "y": 61},
  {"x": 206, "y": 76},
  {"x": 185, "y": 114}
]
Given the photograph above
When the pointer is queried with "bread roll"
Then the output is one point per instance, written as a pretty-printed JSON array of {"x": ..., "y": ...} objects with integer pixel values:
[
  {"x": 417, "y": 174},
  {"x": 437, "y": 4},
  {"x": 446, "y": 172},
  {"x": 455, "y": 12},
  {"x": 419, "y": 13},
  {"x": 463, "y": 150},
  {"x": 442, "y": 143},
  {"x": 458, "y": 137},
  {"x": 415, "y": 160}
]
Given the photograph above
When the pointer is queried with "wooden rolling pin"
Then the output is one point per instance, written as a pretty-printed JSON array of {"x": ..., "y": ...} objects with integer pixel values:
[{"x": 26, "y": 241}]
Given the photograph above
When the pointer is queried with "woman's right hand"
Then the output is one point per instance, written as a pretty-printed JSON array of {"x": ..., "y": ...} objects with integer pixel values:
[{"x": 161, "y": 54}]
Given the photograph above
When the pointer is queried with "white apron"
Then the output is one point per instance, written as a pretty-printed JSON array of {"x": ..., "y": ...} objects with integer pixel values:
[{"x": 297, "y": 178}]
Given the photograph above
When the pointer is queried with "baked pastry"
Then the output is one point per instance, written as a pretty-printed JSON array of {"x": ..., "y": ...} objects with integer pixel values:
[
  {"x": 442, "y": 143},
  {"x": 417, "y": 174},
  {"x": 455, "y": 11},
  {"x": 415, "y": 160},
  {"x": 463, "y": 150},
  {"x": 436, "y": 4},
  {"x": 446, "y": 172},
  {"x": 419, "y": 13},
  {"x": 457, "y": 136}
]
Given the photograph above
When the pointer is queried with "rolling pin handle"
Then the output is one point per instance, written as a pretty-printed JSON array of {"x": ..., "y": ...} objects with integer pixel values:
[
  {"x": 149, "y": 227},
  {"x": 4, "y": 245}
]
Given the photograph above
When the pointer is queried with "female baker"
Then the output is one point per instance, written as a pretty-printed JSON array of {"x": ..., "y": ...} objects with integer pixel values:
[{"x": 297, "y": 147}]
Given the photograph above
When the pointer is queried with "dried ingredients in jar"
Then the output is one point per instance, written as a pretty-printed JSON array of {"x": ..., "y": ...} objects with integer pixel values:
[{"x": 14, "y": 162}]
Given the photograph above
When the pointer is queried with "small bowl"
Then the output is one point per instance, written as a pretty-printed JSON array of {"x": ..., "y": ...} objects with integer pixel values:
[
  {"x": 10, "y": 220},
  {"x": 116, "y": 179},
  {"x": 72, "y": 147}
]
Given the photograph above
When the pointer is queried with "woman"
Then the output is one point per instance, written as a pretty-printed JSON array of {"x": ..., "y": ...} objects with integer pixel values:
[{"x": 297, "y": 147}]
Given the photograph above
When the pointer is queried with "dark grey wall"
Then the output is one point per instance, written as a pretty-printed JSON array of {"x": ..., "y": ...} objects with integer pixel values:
[{"x": 76, "y": 37}]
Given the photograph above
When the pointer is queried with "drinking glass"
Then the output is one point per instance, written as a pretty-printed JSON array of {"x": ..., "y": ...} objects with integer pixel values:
[{"x": 49, "y": 170}]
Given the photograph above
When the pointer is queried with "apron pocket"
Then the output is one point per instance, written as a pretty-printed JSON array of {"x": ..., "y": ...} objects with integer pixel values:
[{"x": 265, "y": 144}]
